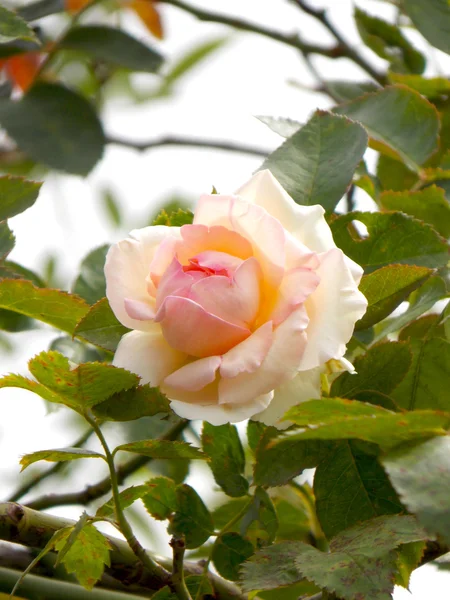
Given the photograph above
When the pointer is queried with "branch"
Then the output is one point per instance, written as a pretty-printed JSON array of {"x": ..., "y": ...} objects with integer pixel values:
[
  {"x": 190, "y": 142},
  {"x": 31, "y": 528},
  {"x": 178, "y": 582},
  {"x": 102, "y": 487}
]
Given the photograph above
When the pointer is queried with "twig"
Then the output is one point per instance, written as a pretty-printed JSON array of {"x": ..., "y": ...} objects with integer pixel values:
[
  {"x": 102, "y": 487},
  {"x": 190, "y": 142},
  {"x": 179, "y": 585}
]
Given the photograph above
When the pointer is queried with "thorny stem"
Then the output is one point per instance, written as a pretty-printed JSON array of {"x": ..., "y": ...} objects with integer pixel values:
[
  {"x": 178, "y": 583},
  {"x": 158, "y": 572}
]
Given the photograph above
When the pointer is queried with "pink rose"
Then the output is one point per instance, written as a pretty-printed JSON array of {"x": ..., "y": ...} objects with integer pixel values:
[{"x": 235, "y": 315}]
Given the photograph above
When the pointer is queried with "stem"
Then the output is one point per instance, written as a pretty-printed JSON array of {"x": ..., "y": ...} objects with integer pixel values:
[
  {"x": 102, "y": 487},
  {"x": 152, "y": 567},
  {"x": 179, "y": 585},
  {"x": 190, "y": 142}
]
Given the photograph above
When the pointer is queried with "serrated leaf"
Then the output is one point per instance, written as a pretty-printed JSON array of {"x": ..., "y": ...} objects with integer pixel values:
[
  {"x": 55, "y": 126},
  {"x": 260, "y": 522},
  {"x": 427, "y": 326},
  {"x": 350, "y": 486},
  {"x": 174, "y": 218},
  {"x": 54, "y": 307},
  {"x": 387, "y": 288},
  {"x": 337, "y": 418},
  {"x": 255, "y": 431},
  {"x": 228, "y": 511},
  {"x": 378, "y": 372},
  {"x": 87, "y": 556},
  {"x": 113, "y": 46},
  {"x": 392, "y": 238},
  {"x": 421, "y": 476},
  {"x": 57, "y": 455},
  {"x": 16, "y": 195},
  {"x": 126, "y": 499},
  {"x": 12, "y": 270},
  {"x": 160, "y": 498},
  {"x": 100, "y": 327},
  {"x": 408, "y": 559},
  {"x": 7, "y": 240},
  {"x": 431, "y": 87},
  {"x": 283, "y": 126},
  {"x": 91, "y": 283},
  {"x": 316, "y": 164},
  {"x": 229, "y": 552},
  {"x": 400, "y": 121},
  {"x": 191, "y": 519},
  {"x": 128, "y": 405},
  {"x": 432, "y": 19},
  {"x": 162, "y": 449},
  {"x": 13, "y": 27},
  {"x": 225, "y": 457},
  {"x": 344, "y": 91}
]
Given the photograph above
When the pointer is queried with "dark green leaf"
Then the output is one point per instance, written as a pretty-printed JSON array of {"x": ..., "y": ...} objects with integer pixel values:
[
  {"x": 55, "y": 126},
  {"x": 229, "y": 552},
  {"x": 128, "y": 405},
  {"x": 427, "y": 326},
  {"x": 387, "y": 288},
  {"x": 394, "y": 175},
  {"x": 432, "y": 19},
  {"x": 421, "y": 476},
  {"x": 350, "y": 486},
  {"x": 316, "y": 164},
  {"x": 260, "y": 522},
  {"x": 228, "y": 511},
  {"x": 400, "y": 121},
  {"x": 160, "y": 498},
  {"x": 41, "y": 8},
  {"x": 192, "y": 518},
  {"x": 100, "y": 327},
  {"x": 225, "y": 457},
  {"x": 90, "y": 283},
  {"x": 12, "y": 322},
  {"x": 429, "y": 205},
  {"x": 255, "y": 431},
  {"x": 16, "y": 195},
  {"x": 198, "y": 586},
  {"x": 13, "y": 27},
  {"x": 162, "y": 449},
  {"x": 54, "y": 307},
  {"x": 174, "y": 218},
  {"x": 431, "y": 87},
  {"x": 7, "y": 240},
  {"x": 126, "y": 499},
  {"x": 12, "y": 270},
  {"x": 392, "y": 238},
  {"x": 113, "y": 46},
  {"x": 57, "y": 455}
]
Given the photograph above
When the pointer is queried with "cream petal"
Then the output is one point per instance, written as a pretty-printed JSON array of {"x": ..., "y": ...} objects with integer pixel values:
[
  {"x": 247, "y": 356},
  {"x": 141, "y": 311},
  {"x": 148, "y": 355},
  {"x": 195, "y": 375},
  {"x": 127, "y": 268},
  {"x": 296, "y": 287},
  {"x": 220, "y": 414},
  {"x": 333, "y": 310}
]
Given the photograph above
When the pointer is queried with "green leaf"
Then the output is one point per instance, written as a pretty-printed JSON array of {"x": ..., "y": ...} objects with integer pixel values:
[
  {"x": 56, "y": 127},
  {"x": 225, "y": 457},
  {"x": 126, "y": 499},
  {"x": 198, "y": 586},
  {"x": 75, "y": 351},
  {"x": 408, "y": 559},
  {"x": 162, "y": 449},
  {"x": 431, "y": 87},
  {"x": 192, "y": 58},
  {"x": 387, "y": 288},
  {"x": 128, "y": 405},
  {"x": 174, "y": 218},
  {"x": 316, "y": 164},
  {"x": 389, "y": 43},
  {"x": 229, "y": 552},
  {"x": 427, "y": 383},
  {"x": 7, "y": 240},
  {"x": 432, "y": 19},
  {"x": 350, "y": 486},
  {"x": 429, "y": 205},
  {"x": 337, "y": 418},
  {"x": 378, "y": 372},
  {"x": 191, "y": 519},
  {"x": 282, "y": 126},
  {"x": 91, "y": 283},
  {"x": 160, "y": 498},
  {"x": 57, "y": 455},
  {"x": 16, "y": 195},
  {"x": 260, "y": 522},
  {"x": 113, "y": 46},
  {"x": 394, "y": 175},
  {"x": 228, "y": 511},
  {"x": 12, "y": 270},
  {"x": 255, "y": 431},
  {"x": 100, "y": 327},
  {"x": 13, "y": 27},
  {"x": 344, "y": 91},
  {"x": 401, "y": 122},
  {"x": 87, "y": 556},
  {"x": 421, "y": 476},
  {"x": 112, "y": 208},
  {"x": 54, "y": 307},
  {"x": 427, "y": 326},
  {"x": 392, "y": 238}
]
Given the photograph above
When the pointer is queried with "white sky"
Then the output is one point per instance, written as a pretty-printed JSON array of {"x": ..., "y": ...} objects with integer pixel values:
[{"x": 219, "y": 100}]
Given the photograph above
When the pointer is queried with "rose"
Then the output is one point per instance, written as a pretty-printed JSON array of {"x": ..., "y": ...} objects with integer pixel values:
[{"x": 235, "y": 315}]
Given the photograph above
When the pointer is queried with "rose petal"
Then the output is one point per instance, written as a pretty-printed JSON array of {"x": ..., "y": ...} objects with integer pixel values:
[
  {"x": 333, "y": 310},
  {"x": 176, "y": 282},
  {"x": 221, "y": 414},
  {"x": 295, "y": 288},
  {"x": 304, "y": 386},
  {"x": 247, "y": 356},
  {"x": 200, "y": 238},
  {"x": 126, "y": 270},
  {"x": 141, "y": 311},
  {"x": 190, "y": 328},
  {"x": 280, "y": 364},
  {"x": 195, "y": 375},
  {"x": 148, "y": 355}
]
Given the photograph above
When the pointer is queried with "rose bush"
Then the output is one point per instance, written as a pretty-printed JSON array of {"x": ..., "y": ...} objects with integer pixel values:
[{"x": 235, "y": 315}]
